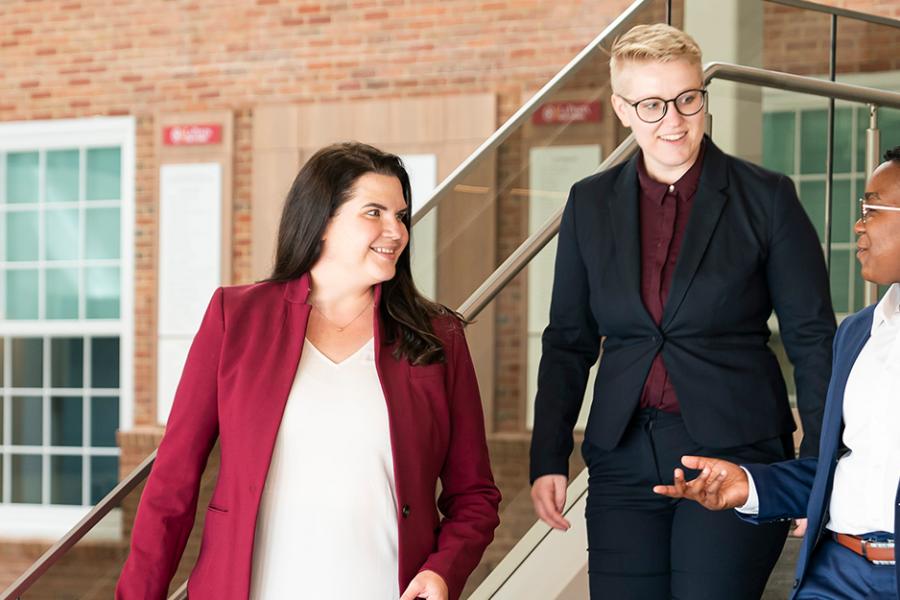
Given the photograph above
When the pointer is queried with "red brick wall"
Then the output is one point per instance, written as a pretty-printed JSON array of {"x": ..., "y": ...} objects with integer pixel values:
[{"x": 798, "y": 41}]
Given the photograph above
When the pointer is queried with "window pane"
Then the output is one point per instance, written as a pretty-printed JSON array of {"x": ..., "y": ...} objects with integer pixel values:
[
  {"x": 812, "y": 196},
  {"x": 66, "y": 421},
  {"x": 22, "y": 294},
  {"x": 843, "y": 142},
  {"x": 102, "y": 294},
  {"x": 843, "y": 208},
  {"x": 26, "y": 478},
  {"x": 840, "y": 280},
  {"x": 102, "y": 235},
  {"x": 105, "y": 362},
  {"x": 27, "y": 421},
  {"x": 103, "y": 174},
  {"x": 61, "y": 239},
  {"x": 778, "y": 141},
  {"x": 62, "y": 176},
  {"x": 22, "y": 235},
  {"x": 21, "y": 177},
  {"x": 28, "y": 362},
  {"x": 104, "y": 421},
  {"x": 2, "y": 380},
  {"x": 65, "y": 480},
  {"x": 67, "y": 362},
  {"x": 62, "y": 294},
  {"x": 888, "y": 125},
  {"x": 104, "y": 476},
  {"x": 813, "y": 132}
]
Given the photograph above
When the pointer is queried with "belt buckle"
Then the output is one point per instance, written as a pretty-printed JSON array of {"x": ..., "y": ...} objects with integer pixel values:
[{"x": 865, "y": 544}]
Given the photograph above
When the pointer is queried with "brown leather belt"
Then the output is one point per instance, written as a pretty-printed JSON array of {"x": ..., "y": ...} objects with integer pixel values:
[{"x": 879, "y": 553}]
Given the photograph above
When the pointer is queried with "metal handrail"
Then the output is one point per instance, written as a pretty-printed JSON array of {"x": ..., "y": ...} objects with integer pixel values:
[
  {"x": 839, "y": 12},
  {"x": 527, "y": 250},
  {"x": 526, "y": 110},
  {"x": 800, "y": 83}
]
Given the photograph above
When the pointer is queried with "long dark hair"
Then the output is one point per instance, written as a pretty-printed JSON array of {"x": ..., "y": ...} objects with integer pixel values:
[{"x": 323, "y": 184}]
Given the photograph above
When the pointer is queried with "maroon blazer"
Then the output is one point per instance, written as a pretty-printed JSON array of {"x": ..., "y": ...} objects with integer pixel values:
[{"x": 234, "y": 387}]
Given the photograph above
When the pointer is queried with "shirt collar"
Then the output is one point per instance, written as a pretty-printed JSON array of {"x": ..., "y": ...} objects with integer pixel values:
[
  {"x": 888, "y": 308},
  {"x": 684, "y": 188}
]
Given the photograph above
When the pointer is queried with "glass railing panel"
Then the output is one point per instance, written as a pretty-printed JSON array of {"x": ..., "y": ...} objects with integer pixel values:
[
  {"x": 867, "y": 55},
  {"x": 90, "y": 569},
  {"x": 509, "y": 191},
  {"x": 484, "y": 216},
  {"x": 514, "y": 398}
]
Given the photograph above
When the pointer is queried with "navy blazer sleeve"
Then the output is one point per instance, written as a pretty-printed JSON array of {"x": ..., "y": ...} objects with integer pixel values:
[
  {"x": 798, "y": 284},
  {"x": 783, "y": 489},
  {"x": 570, "y": 346}
]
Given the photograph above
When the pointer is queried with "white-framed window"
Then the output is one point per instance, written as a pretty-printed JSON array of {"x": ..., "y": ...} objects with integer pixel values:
[{"x": 66, "y": 316}]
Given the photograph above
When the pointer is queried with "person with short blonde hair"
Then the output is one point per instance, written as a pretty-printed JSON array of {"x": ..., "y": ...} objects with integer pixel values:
[
  {"x": 675, "y": 259},
  {"x": 657, "y": 42}
]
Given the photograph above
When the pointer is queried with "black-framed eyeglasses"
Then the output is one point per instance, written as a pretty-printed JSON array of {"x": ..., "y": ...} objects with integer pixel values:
[
  {"x": 652, "y": 110},
  {"x": 866, "y": 209}
]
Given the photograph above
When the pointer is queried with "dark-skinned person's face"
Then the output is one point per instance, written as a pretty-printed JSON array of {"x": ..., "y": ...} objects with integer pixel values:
[{"x": 878, "y": 231}]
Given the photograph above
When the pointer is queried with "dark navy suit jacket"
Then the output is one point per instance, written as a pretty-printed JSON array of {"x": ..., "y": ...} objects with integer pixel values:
[
  {"x": 748, "y": 248},
  {"x": 802, "y": 488}
]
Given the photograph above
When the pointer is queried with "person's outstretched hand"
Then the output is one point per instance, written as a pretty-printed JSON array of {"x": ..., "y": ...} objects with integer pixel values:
[
  {"x": 428, "y": 585},
  {"x": 548, "y": 494},
  {"x": 720, "y": 485}
]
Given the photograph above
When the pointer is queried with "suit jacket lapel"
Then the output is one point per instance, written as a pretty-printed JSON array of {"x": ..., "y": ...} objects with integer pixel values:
[
  {"x": 833, "y": 430},
  {"x": 624, "y": 211},
  {"x": 834, "y": 415},
  {"x": 709, "y": 201},
  {"x": 278, "y": 347}
]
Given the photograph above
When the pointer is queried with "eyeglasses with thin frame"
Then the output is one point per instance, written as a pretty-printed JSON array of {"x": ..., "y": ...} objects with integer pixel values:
[
  {"x": 652, "y": 110},
  {"x": 866, "y": 210}
]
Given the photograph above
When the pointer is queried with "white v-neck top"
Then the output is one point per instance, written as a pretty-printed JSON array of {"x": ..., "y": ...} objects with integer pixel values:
[{"x": 327, "y": 521}]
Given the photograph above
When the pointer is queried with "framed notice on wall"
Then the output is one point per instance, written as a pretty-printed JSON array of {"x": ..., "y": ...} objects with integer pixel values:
[{"x": 190, "y": 264}]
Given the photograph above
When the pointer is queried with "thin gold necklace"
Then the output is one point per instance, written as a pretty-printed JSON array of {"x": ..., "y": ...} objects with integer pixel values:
[{"x": 341, "y": 328}]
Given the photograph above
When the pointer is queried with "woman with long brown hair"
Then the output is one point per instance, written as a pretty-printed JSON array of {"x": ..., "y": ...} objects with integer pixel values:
[{"x": 340, "y": 397}]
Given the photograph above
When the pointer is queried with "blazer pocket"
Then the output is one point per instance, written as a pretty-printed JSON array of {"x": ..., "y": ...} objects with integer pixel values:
[{"x": 218, "y": 509}]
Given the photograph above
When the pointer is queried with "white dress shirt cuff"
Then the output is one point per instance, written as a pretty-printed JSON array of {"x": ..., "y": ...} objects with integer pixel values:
[{"x": 751, "y": 506}]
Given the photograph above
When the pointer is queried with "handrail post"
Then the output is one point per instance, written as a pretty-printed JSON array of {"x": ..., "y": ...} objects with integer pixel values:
[{"x": 873, "y": 143}]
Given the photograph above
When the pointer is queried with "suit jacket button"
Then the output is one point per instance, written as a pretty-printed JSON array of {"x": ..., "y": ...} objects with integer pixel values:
[
  {"x": 405, "y": 510},
  {"x": 796, "y": 583}
]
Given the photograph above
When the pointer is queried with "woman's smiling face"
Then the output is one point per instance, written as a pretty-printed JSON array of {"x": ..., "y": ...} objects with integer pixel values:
[{"x": 367, "y": 235}]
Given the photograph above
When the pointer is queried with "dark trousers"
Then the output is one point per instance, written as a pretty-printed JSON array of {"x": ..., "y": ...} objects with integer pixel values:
[
  {"x": 643, "y": 546},
  {"x": 836, "y": 573}
]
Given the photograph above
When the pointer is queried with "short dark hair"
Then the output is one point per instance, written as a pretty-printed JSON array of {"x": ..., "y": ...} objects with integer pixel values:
[
  {"x": 323, "y": 184},
  {"x": 892, "y": 154}
]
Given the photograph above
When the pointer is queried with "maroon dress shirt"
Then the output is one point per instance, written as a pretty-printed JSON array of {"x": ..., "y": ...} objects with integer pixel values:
[{"x": 664, "y": 212}]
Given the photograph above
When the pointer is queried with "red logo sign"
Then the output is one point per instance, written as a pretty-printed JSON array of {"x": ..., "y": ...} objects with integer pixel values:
[
  {"x": 557, "y": 113},
  {"x": 192, "y": 135}
]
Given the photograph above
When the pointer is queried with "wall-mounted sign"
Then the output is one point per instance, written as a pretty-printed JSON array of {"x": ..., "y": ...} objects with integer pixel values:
[
  {"x": 563, "y": 113},
  {"x": 192, "y": 135}
]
